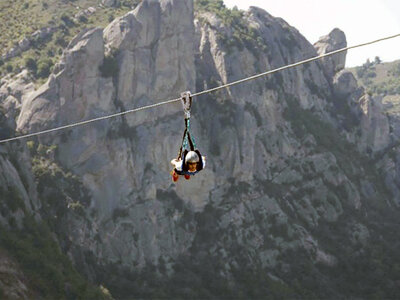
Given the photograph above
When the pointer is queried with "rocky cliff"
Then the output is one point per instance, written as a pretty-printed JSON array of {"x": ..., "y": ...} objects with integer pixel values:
[{"x": 298, "y": 180}]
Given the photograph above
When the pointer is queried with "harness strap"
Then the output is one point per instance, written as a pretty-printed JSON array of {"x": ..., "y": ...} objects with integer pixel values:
[
  {"x": 187, "y": 139},
  {"x": 184, "y": 166},
  {"x": 200, "y": 163},
  {"x": 183, "y": 140},
  {"x": 187, "y": 126}
]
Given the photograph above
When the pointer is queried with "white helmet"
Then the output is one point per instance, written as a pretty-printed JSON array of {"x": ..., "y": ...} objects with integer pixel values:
[{"x": 192, "y": 156}]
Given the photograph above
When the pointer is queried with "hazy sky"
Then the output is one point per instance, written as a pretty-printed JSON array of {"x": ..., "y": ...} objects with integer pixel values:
[{"x": 361, "y": 21}]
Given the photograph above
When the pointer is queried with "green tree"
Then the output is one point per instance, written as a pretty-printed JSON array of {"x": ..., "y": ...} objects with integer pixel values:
[
  {"x": 9, "y": 68},
  {"x": 44, "y": 66},
  {"x": 30, "y": 63},
  {"x": 60, "y": 40}
]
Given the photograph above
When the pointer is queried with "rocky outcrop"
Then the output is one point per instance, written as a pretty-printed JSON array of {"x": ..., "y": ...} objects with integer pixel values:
[
  {"x": 374, "y": 124},
  {"x": 280, "y": 173},
  {"x": 84, "y": 13},
  {"x": 117, "y": 159},
  {"x": 123, "y": 162},
  {"x": 27, "y": 42},
  {"x": 344, "y": 84},
  {"x": 17, "y": 187},
  {"x": 373, "y": 133},
  {"x": 147, "y": 71},
  {"x": 13, "y": 91},
  {"x": 24, "y": 44},
  {"x": 60, "y": 91},
  {"x": 335, "y": 40}
]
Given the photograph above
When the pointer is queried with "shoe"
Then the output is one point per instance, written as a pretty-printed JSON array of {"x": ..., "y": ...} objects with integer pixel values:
[
  {"x": 175, "y": 177},
  {"x": 187, "y": 177}
]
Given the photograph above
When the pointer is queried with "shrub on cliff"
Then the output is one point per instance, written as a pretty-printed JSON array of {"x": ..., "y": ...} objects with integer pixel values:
[
  {"x": 110, "y": 67},
  {"x": 43, "y": 68}
]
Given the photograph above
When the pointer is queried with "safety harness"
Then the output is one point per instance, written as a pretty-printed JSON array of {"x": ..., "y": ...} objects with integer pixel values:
[{"x": 188, "y": 141}]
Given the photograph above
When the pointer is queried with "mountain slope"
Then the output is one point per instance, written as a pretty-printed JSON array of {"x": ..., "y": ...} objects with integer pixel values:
[
  {"x": 34, "y": 33},
  {"x": 381, "y": 79},
  {"x": 299, "y": 197}
]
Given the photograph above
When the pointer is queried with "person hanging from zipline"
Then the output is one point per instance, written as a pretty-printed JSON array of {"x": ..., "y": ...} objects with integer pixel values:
[{"x": 189, "y": 161}]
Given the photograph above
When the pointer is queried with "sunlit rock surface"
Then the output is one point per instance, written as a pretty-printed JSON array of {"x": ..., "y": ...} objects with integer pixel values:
[{"x": 287, "y": 155}]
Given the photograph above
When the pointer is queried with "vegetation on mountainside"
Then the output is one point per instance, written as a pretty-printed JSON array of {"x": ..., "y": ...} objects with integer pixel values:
[
  {"x": 24, "y": 17},
  {"x": 62, "y": 193},
  {"x": 363, "y": 269},
  {"x": 379, "y": 78},
  {"x": 50, "y": 273},
  {"x": 12, "y": 200},
  {"x": 242, "y": 35},
  {"x": 351, "y": 161}
]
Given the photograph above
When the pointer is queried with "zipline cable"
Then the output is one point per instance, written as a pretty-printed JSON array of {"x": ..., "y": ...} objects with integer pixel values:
[
  {"x": 293, "y": 65},
  {"x": 89, "y": 121},
  {"x": 196, "y": 94}
]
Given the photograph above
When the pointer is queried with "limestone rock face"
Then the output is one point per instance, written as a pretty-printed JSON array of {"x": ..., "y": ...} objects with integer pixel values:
[
  {"x": 124, "y": 162},
  {"x": 276, "y": 173},
  {"x": 375, "y": 134},
  {"x": 16, "y": 179},
  {"x": 13, "y": 91},
  {"x": 148, "y": 71},
  {"x": 17, "y": 187},
  {"x": 117, "y": 158},
  {"x": 344, "y": 83},
  {"x": 62, "y": 91},
  {"x": 335, "y": 40}
]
